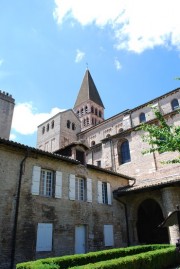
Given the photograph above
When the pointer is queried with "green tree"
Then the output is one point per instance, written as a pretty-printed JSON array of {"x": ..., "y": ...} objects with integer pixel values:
[{"x": 161, "y": 137}]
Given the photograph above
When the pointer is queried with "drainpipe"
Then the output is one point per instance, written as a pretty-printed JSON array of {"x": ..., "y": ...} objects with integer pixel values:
[
  {"x": 125, "y": 210},
  {"x": 127, "y": 224},
  {"x": 14, "y": 232}
]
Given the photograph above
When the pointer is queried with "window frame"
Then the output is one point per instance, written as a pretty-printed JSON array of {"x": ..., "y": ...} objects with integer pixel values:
[
  {"x": 46, "y": 183},
  {"x": 142, "y": 117},
  {"x": 174, "y": 104},
  {"x": 124, "y": 152},
  {"x": 56, "y": 182},
  {"x": 80, "y": 189},
  {"x": 44, "y": 237},
  {"x": 68, "y": 124}
]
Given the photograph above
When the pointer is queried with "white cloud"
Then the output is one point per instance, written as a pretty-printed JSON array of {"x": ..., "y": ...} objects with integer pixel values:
[
  {"x": 1, "y": 61},
  {"x": 117, "y": 64},
  {"x": 12, "y": 136},
  {"x": 137, "y": 25},
  {"x": 26, "y": 119},
  {"x": 79, "y": 56}
]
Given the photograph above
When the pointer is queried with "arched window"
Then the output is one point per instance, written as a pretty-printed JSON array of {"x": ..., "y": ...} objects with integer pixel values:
[
  {"x": 82, "y": 111},
  {"x": 52, "y": 124},
  {"x": 68, "y": 124},
  {"x": 142, "y": 117},
  {"x": 43, "y": 130},
  {"x": 47, "y": 127},
  {"x": 96, "y": 112},
  {"x": 93, "y": 143},
  {"x": 87, "y": 121},
  {"x": 100, "y": 114},
  {"x": 92, "y": 121},
  {"x": 73, "y": 126},
  {"x": 86, "y": 109},
  {"x": 92, "y": 109},
  {"x": 120, "y": 130},
  {"x": 84, "y": 122},
  {"x": 124, "y": 153},
  {"x": 174, "y": 104},
  {"x": 78, "y": 113}
]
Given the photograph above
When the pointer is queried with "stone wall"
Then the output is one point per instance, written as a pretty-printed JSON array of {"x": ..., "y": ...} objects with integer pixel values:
[
  {"x": 64, "y": 214},
  {"x": 6, "y": 114}
]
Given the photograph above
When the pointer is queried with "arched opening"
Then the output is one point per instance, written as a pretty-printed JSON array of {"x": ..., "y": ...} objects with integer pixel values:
[
  {"x": 124, "y": 152},
  {"x": 149, "y": 217},
  {"x": 142, "y": 117},
  {"x": 174, "y": 104}
]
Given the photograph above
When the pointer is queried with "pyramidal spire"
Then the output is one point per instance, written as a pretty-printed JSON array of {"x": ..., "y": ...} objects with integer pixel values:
[
  {"x": 89, "y": 107},
  {"x": 88, "y": 91}
]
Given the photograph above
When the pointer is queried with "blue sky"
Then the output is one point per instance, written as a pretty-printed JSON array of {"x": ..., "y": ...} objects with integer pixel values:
[{"x": 132, "y": 49}]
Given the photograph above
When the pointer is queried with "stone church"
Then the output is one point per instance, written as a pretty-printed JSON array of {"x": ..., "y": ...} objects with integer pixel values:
[
  {"x": 116, "y": 145},
  {"x": 86, "y": 186}
]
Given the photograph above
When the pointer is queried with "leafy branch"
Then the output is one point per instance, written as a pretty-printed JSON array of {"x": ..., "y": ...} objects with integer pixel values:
[{"x": 161, "y": 137}]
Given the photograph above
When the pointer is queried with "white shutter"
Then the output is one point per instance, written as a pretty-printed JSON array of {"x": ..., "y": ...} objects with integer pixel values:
[
  {"x": 58, "y": 187},
  {"x": 108, "y": 236},
  {"x": 89, "y": 190},
  {"x": 100, "y": 192},
  {"x": 36, "y": 180},
  {"x": 109, "y": 194},
  {"x": 72, "y": 187},
  {"x": 44, "y": 237}
]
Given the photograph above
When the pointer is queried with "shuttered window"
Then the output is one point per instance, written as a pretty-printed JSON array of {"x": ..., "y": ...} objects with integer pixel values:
[
  {"x": 80, "y": 188},
  {"x": 46, "y": 182},
  {"x": 104, "y": 193},
  {"x": 44, "y": 237},
  {"x": 36, "y": 180},
  {"x": 108, "y": 236},
  {"x": 58, "y": 186}
]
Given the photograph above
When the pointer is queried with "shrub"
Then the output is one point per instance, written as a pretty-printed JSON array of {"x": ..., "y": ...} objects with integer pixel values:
[{"x": 92, "y": 257}]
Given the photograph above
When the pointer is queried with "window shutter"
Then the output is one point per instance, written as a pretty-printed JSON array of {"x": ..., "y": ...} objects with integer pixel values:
[
  {"x": 89, "y": 190},
  {"x": 100, "y": 192},
  {"x": 36, "y": 180},
  {"x": 108, "y": 236},
  {"x": 109, "y": 194},
  {"x": 58, "y": 187},
  {"x": 44, "y": 237},
  {"x": 72, "y": 187}
]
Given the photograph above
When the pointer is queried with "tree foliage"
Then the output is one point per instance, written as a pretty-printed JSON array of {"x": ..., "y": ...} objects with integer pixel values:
[{"x": 161, "y": 137}]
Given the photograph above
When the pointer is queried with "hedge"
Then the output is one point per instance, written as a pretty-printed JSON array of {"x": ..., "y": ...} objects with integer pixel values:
[
  {"x": 155, "y": 259},
  {"x": 91, "y": 257}
]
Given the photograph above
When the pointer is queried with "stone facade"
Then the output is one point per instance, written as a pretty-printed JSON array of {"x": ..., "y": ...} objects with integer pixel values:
[
  {"x": 25, "y": 205},
  {"x": 109, "y": 135},
  {"x": 53, "y": 197},
  {"x": 58, "y": 131},
  {"x": 6, "y": 114}
]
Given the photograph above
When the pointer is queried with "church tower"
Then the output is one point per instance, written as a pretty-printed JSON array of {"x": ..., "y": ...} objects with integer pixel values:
[
  {"x": 6, "y": 114},
  {"x": 88, "y": 106}
]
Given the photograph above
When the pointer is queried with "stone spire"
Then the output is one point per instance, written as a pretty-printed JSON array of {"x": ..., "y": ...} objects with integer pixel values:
[
  {"x": 88, "y": 106},
  {"x": 88, "y": 91}
]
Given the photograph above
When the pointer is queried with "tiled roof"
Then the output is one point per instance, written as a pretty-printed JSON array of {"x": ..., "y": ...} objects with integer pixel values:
[{"x": 148, "y": 184}]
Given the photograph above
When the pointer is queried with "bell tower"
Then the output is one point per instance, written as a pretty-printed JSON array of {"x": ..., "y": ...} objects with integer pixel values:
[
  {"x": 6, "y": 114},
  {"x": 88, "y": 106}
]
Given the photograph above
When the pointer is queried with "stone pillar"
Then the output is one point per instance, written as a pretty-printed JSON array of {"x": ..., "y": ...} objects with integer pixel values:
[{"x": 171, "y": 198}]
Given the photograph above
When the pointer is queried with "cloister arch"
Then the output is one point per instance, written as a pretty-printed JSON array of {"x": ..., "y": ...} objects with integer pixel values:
[{"x": 149, "y": 216}]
